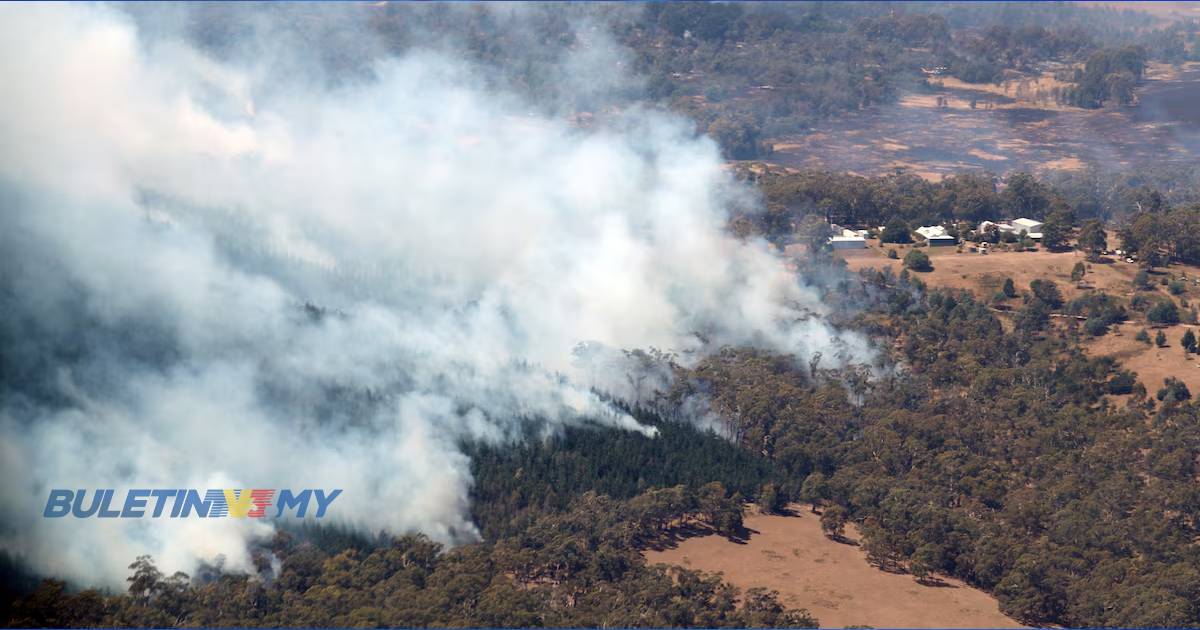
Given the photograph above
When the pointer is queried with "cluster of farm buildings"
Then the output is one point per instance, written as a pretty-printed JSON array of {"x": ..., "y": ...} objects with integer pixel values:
[{"x": 936, "y": 235}]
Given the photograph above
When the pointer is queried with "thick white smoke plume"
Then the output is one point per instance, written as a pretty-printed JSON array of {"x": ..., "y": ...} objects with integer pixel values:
[{"x": 165, "y": 219}]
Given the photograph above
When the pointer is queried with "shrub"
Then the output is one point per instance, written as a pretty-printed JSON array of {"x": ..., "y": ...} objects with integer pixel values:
[
  {"x": 833, "y": 521},
  {"x": 891, "y": 253},
  {"x": 917, "y": 261},
  {"x": 1010, "y": 290},
  {"x": 1047, "y": 291},
  {"x": 1163, "y": 312},
  {"x": 1188, "y": 341},
  {"x": 1122, "y": 383},
  {"x": 1099, "y": 305},
  {"x": 1142, "y": 281},
  {"x": 1177, "y": 287},
  {"x": 1160, "y": 339},
  {"x": 771, "y": 500},
  {"x": 1143, "y": 336},
  {"x": 1033, "y": 317},
  {"x": 1173, "y": 391},
  {"x": 1095, "y": 326}
]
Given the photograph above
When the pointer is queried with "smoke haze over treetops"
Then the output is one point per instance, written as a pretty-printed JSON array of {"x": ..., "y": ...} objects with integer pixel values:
[{"x": 165, "y": 218}]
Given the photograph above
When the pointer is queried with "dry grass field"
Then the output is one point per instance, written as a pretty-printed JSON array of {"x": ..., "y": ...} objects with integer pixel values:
[
  {"x": 1151, "y": 363},
  {"x": 984, "y": 274},
  {"x": 1025, "y": 91},
  {"x": 832, "y": 580}
]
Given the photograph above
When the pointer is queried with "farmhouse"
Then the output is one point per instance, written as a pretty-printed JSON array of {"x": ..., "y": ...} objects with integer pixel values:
[
  {"x": 935, "y": 235},
  {"x": 1030, "y": 227},
  {"x": 848, "y": 239},
  {"x": 1002, "y": 227}
]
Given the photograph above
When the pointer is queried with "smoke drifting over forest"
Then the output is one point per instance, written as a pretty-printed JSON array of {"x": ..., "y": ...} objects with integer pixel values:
[{"x": 217, "y": 275}]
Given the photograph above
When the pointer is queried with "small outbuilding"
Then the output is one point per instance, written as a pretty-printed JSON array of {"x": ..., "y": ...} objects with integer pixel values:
[
  {"x": 1030, "y": 227},
  {"x": 846, "y": 238},
  {"x": 848, "y": 242}
]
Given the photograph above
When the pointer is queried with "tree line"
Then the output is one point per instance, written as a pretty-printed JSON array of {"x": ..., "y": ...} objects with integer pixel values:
[{"x": 556, "y": 552}]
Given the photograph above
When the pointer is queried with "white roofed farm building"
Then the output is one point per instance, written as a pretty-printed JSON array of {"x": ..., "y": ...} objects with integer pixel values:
[{"x": 936, "y": 236}]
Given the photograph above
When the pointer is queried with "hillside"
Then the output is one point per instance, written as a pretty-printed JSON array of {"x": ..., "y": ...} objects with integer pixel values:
[
  {"x": 833, "y": 580},
  {"x": 984, "y": 275}
]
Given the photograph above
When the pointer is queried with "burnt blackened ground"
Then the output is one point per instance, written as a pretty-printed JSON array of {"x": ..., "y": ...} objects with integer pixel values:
[{"x": 1001, "y": 135}]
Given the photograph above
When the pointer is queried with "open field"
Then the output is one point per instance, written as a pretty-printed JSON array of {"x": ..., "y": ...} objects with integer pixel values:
[
  {"x": 1026, "y": 91},
  {"x": 1152, "y": 364},
  {"x": 1014, "y": 126},
  {"x": 832, "y": 580},
  {"x": 984, "y": 275}
]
